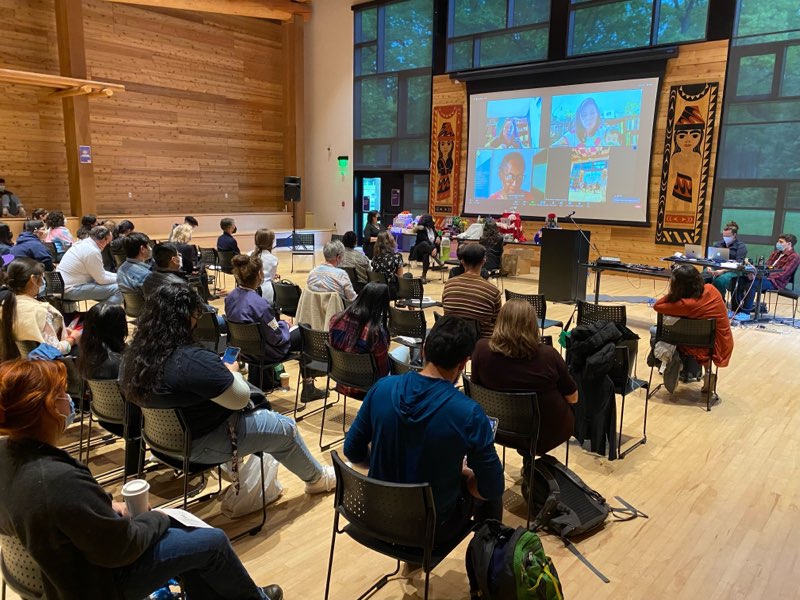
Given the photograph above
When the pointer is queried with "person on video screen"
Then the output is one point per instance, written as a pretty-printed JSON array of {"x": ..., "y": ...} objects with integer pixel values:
[
  {"x": 507, "y": 136},
  {"x": 512, "y": 173},
  {"x": 589, "y": 130}
]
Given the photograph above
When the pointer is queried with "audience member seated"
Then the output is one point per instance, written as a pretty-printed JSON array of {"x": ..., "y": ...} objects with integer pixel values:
[
  {"x": 354, "y": 259},
  {"x": 386, "y": 260},
  {"x": 57, "y": 231},
  {"x": 88, "y": 222},
  {"x": 29, "y": 243},
  {"x": 164, "y": 368},
  {"x": 690, "y": 298},
  {"x": 181, "y": 236},
  {"x": 226, "y": 242},
  {"x": 328, "y": 277},
  {"x": 514, "y": 360},
  {"x": 469, "y": 295},
  {"x": 11, "y": 205},
  {"x": 24, "y": 318},
  {"x": 187, "y": 220},
  {"x": 459, "y": 270},
  {"x": 493, "y": 242},
  {"x": 418, "y": 427},
  {"x": 123, "y": 229},
  {"x": 40, "y": 214},
  {"x": 83, "y": 272},
  {"x": 265, "y": 241},
  {"x": 782, "y": 263},
  {"x": 6, "y": 239},
  {"x": 132, "y": 273},
  {"x": 724, "y": 280},
  {"x": 244, "y": 305},
  {"x": 51, "y": 501},
  {"x": 426, "y": 245},
  {"x": 362, "y": 329}
]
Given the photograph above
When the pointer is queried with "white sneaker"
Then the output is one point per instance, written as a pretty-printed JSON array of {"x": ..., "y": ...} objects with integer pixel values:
[{"x": 325, "y": 483}]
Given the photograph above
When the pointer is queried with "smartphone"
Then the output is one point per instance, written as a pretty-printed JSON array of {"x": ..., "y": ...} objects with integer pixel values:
[
  {"x": 231, "y": 354},
  {"x": 493, "y": 422}
]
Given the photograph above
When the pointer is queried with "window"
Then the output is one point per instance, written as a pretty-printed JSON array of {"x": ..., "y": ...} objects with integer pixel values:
[
  {"x": 605, "y": 26},
  {"x": 392, "y": 85},
  {"x": 485, "y": 33},
  {"x": 759, "y": 21}
]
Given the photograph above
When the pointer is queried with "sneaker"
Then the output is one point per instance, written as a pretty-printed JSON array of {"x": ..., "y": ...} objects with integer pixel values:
[
  {"x": 311, "y": 392},
  {"x": 325, "y": 483},
  {"x": 273, "y": 592},
  {"x": 672, "y": 372}
]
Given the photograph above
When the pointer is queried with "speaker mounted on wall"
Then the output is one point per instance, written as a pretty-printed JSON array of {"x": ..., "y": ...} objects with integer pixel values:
[{"x": 291, "y": 189}]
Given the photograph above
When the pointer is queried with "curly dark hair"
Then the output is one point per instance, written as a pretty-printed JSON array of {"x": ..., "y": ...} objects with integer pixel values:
[
  {"x": 55, "y": 219},
  {"x": 686, "y": 282},
  {"x": 164, "y": 326}
]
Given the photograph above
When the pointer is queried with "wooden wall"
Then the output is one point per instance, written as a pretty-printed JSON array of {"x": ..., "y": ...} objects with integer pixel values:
[
  {"x": 695, "y": 63},
  {"x": 203, "y": 115}
]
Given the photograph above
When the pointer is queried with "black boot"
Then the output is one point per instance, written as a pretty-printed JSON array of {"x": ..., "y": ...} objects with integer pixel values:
[{"x": 310, "y": 392}]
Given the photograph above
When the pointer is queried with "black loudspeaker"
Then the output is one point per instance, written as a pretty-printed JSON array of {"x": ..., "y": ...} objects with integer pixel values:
[
  {"x": 561, "y": 276},
  {"x": 291, "y": 189}
]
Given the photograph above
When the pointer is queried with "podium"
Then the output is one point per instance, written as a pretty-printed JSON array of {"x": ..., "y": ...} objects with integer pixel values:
[{"x": 561, "y": 276}]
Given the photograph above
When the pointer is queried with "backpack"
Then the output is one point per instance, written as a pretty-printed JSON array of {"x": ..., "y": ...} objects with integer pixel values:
[{"x": 510, "y": 564}]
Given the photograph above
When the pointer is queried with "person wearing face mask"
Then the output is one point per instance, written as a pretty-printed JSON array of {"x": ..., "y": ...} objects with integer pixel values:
[
  {"x": 418, "y": 427},
  {"x": 782, "y": 264},
  {"x": 87, "y": 546},
  {"x": 371, "y": 231},
  {"x": 226, "y": 242},
  {"x": 12, "y": 206},
  {"x": 30, "y": 243},
  {"x": 724, "y": 280}
]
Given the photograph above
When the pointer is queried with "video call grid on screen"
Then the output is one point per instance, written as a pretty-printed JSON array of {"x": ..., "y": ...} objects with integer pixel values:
[{"x": 580, "y": 147}]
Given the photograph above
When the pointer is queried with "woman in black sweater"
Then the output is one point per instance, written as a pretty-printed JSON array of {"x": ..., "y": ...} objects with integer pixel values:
[
  {"x": 427, "y": 244},
  {"x": 86, "y": 546}
]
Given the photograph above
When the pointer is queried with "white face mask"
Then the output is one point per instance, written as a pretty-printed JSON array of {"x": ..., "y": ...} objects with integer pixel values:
[
  {"x": 180, "y": 262},
  {"x": 727, "y": 239}
]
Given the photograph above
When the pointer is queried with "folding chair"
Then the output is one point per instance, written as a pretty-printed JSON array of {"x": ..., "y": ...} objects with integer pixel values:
[
  {"x": 588, "y": 312},
  {"x": 54, "y": 293},
  {"x": 303, "y": 245},
  {"x": 539, "y": 304},
  {"x": 109, "y": 409},
  {"x": 411, "y": 294},
  {"x": 313, "y": 362},
  {"x": 286, "y": 297},
  {"x": 20, "y": 572},
  {"x": 790, "y": 292},
  {"x": 626, "y": 383},
  {"x": 209, "y": 261},
  {"x": 208, "y": 332},
  {"x": 250, "y": 339},
  {"x": 401, "y": 368},
  {"x": 408, "y": 324}
]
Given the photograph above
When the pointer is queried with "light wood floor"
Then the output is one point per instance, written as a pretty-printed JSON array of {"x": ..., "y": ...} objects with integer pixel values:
[{"x": 721, "y": 489}]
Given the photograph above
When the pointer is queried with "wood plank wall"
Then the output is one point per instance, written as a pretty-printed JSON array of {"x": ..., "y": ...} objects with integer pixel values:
[
  {"x": 695, "y": 63},
  {"x": 203, "y": 115}
]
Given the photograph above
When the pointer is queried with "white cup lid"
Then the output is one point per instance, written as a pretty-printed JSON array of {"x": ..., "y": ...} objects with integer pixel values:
[{"x": 134, "y": 487}]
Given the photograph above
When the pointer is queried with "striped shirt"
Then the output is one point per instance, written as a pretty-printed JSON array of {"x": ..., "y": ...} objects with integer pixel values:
[
  {"x": 327, "y": 278},
  {"x": 472, "y": 297}
]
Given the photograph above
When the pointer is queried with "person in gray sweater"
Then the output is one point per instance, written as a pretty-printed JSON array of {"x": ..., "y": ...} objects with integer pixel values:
[{"x": 86, "y": 546}]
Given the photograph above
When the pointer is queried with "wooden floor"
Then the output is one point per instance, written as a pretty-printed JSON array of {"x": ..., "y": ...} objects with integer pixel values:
[{"x": 721, "y": 489}]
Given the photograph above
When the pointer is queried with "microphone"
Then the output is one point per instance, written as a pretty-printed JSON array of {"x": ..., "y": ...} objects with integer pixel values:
[{"x": 570, "y": 215}]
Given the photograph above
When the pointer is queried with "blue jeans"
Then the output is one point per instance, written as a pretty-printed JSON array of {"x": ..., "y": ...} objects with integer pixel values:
[
  {"x": 203, "y": 559},
  {"x": 94, "y": 291},
  {"x": 751, "y": 295},
  {"x": 259, "y": 430}
]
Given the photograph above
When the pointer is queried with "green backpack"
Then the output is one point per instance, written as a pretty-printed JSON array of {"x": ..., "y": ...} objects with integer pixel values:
[{"x": 508, "y": 564}]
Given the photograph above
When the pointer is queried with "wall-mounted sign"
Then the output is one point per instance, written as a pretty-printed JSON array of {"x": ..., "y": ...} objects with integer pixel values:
[{"x": 85, "y": 154}]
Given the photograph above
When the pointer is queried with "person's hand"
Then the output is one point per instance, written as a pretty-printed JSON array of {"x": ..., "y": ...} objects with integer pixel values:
[
  {"x": 288, "y": 320},
  {"x": 121, "y": 509},
  {"x": 232, "y": 367},
  {"x": 74, "y": 334}
]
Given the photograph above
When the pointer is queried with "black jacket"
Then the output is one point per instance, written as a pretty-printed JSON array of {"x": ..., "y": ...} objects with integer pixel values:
[
  {"x": 53, "y": 505},
  {"x": 160, "y": 277}
]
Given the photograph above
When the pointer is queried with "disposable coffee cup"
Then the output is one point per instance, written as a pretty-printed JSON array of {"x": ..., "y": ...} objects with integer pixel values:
[
  {"x": 285, "y": 381},
  {"x": 136, "y": 494}
]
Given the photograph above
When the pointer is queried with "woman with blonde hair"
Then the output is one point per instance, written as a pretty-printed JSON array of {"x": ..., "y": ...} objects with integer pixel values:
[
  {"x": 515, "y": 360},
  {"x": 181, "y": 236},
  {"x": 87, "y": 546},
  {"x": 265, "y": 241}
]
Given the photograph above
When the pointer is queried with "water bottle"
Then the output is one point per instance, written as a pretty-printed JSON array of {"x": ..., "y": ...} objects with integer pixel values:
[{"x": 445, "y": 248}]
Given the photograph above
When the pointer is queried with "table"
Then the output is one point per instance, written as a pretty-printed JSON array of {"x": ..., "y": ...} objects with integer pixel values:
[{"x": 621, "y": 268}]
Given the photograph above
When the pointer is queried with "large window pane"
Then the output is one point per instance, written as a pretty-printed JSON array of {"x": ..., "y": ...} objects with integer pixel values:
[
  {"x": 369, "y": 60},
  {"x": 751, "y": 197},
  {"x": 379, "y": 107},
  {"x": 760, "y": 16},
  {"x": 408, "y": 37},
  {"x": 414, "y": 154},
  {"x": 791, "y": 222},
  {"x": 528, "y": 12},
  {"x": 791, "y": 72},
  {"x": 612, "y": 27},
  {"x": 763, "y": 112},
  {"x": 476, "y": 16},
  {"x": 793, "y": 198},
  {"x": 751, "y": 222},
  {"x": 755, "y": 75},
  {"x": 460, "y": 56},
  {"x": 766, "y": 151},
  {"x": 682, "y": 20},
  {"x": 369, "y": 25},
  {"x": 512, "y": 48},
  {"x": 418, "y": 111},
  {"x": 376, "y": 155}
]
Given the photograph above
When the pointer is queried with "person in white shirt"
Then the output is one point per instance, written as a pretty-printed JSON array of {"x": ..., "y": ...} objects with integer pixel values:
[
  {"x": 265, "y": 240},
  {"x": 83, "y": 273},
  {"x": 328, "y": 277}
]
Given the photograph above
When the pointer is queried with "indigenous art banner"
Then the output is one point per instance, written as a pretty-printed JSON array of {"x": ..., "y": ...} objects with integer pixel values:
[
  {"x": 691, "y": 120},
  {"x": 445, "y": 199}
]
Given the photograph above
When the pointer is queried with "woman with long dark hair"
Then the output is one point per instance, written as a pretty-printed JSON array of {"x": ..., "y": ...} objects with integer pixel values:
[
  {"x": 371, "y": 231},
  {"x": 6, "y": 239},
  {"x": 493, "y": 242},
  {"x": 363, "y": 328},
  {"x": 102, "y": 341},
  {"x": 164, "y": 368},
  {"x": 386, "y": 260},
  {"x": 427, "y": 244}
]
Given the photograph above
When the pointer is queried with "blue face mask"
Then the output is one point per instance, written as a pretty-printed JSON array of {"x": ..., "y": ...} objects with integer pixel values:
[
  {"x": 727, "y": 239},
  {"x": 780, "y": 247},
  {"x": 70, "y": 418}
]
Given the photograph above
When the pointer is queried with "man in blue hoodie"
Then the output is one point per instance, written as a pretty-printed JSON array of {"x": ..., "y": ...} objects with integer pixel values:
[
  {"x": 29, "y": 244},
  {"x": 418, "y": 427}
]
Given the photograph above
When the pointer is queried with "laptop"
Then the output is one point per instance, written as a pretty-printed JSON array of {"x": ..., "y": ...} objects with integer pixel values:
[
  {"x": 693, "y": 251},
  {"x": 718, "y": 254}
]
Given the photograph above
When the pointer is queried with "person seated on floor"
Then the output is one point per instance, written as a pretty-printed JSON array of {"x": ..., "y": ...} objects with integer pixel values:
[
  {"x": 6, "y": 239},
  {"x": 57, "y": 232},
  {"x": 493, "y": 242},
  {"x": 88, "y": 222},
  {"x": 328, "y": 277},
  {"x": 30, "y": 244},
  {"x": 469, "y": 295},
  {"x": 226, "y": 242},
  {"x": 132, "y": 274},
  {"x": 11, "y": 205},
  {"x": 722, "y": 279},
  {"x": 264, "y": 242},
  {"x": 362, "y": 329},
  {"x": 515, "y": 360},
  {"x": 386, "y": 260},
  {"x": 690, "y": 298},
  {"x": 50, "y": 500},
  {"x": 164, "y": 368},
  {"x": 24, "y": 318},
  {"x": 83, "y": 272},
  {"x": 354, "y": 259},
  {"x": 418, "y": 427},
  {"x": 427, "y": 244},
  {"x": 244, "y": 305},
  {"x": 782, "y": 264}
]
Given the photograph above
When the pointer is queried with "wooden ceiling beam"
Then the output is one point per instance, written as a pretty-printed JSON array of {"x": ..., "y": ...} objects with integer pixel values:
[
  {"x": 279, "y": 10},
  {"x": 57, "y": 82}
]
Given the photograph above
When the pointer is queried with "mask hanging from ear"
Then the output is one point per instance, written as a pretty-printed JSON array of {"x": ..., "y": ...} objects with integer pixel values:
[{"x": 70, "y": 418}]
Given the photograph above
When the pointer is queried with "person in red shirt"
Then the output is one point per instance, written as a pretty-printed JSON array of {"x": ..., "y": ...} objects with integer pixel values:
[{"x": 782, "y": 263}]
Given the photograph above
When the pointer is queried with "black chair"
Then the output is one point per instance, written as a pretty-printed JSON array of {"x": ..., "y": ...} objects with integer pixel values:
[
  {"x": 359, "y": 371},
  {"x": 209, "y": 261},
  {"x": 313, "y": 361},
  {"x": 351, "y": 273},
  {"x": 539, "y": 304},
  {"x": 791, "y": 293},
  {"x": 401, "y": 368},
  {"x": 208, "y": 333},
  {"x": 518, "y": 422},
  {"x": 626, "y": 383},
  {"x": 694, "y": 333},
  {"x": 134, "y": 304},
  {"x": 54, "y": 292},
  {"x": 411, "y": 294},
  {"x": 119, "y": 258},
  {"x": 303, "y": 245},
  {"x": 378, "y": 277},
  {"x": 52, "y": 251},
  {"x": 225, "y": 262},
  {"x": 250, "y": 339},
  {"x": 547, "y": 340},
  {"x": 409, "y": 324},
  {"x": 336, "y": 237},
  {"x": 394, "y": 519},
  {"x": 588, "y": 313},
  {"x": 20, "y": 572},
  {"x": 286, "y": 297}
]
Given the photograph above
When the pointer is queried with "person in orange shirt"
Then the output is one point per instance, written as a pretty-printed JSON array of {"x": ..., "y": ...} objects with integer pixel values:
[{"x": 690, "y": 298}]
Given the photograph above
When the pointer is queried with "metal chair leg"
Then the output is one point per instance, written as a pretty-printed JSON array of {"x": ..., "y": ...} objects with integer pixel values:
[{"x": 330, "y": 558}]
